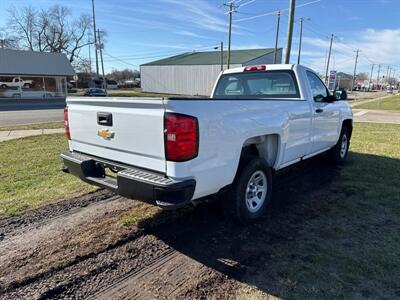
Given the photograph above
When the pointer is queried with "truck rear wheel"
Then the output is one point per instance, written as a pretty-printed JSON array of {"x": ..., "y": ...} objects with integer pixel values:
[{"x": 251, "y": 190}]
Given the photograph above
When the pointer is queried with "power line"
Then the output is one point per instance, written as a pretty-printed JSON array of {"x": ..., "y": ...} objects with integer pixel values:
[
  {"x": 125, "y": 60},
  {"x": 274, "y": 12},
  {"x": 247, "y": 3}
]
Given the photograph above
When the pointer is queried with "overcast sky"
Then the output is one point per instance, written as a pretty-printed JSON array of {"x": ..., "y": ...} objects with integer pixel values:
[{"x": 143, "y": 31}]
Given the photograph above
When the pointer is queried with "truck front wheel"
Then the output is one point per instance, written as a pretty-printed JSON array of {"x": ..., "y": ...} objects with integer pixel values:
[
  {"x": 339, "y": 152},
  {"x": 251, "y": 190}
]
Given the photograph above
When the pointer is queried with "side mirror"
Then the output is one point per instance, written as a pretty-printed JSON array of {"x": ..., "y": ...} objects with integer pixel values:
[{"x": 330, "y": 99}]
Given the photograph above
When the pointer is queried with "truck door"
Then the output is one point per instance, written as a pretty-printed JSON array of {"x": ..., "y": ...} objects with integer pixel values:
[{"x": 325, "y": 116}]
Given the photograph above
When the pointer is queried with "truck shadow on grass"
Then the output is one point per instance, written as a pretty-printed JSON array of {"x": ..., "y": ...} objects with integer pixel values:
[{"x": 329, "y": 232}]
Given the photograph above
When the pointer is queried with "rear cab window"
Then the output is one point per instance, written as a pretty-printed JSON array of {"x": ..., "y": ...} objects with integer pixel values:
[{"x": 258, "y": 85}]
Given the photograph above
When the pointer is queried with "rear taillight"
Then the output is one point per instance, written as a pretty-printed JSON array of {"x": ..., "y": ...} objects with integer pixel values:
[
  {"x": 255, "y": 68},
  {"x": 66, "y": 123},
  {"x": 181, "y": 137}
]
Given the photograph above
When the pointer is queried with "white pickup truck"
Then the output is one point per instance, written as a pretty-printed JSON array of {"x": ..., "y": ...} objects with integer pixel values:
[
  {"x": 16, "y": 82},
  {"x": 176, "y": 151}
]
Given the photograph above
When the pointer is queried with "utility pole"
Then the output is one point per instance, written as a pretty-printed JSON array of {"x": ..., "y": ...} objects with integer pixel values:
[
  {"x": 302, "y": 19},
  {"x": 355, "y": 69},
  {"x": 101, "y": 57},
  {"x": 290, "y": 30},
  {"x": 329, "y": 58},
  {"x": 232, "y": 8},
  {"x": 377, "y": 78},
  {"x": 222, "y": 56},
  {"x": 370, "y": 77},
  {"x": 278, "y": 15},
  {"x": 387, "y": 74},
  {"x": 95, "y": 40},
  {"x": 90, "y": 57}
]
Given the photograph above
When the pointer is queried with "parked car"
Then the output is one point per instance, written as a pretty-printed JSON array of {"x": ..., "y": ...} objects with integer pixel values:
[
  {"x": 28, "y": 94},
  {"x": 16, "y": 82},
  {"x": 389, "y": 89},
  {"x": 177, "y": 151},
  {"x": 112, "y": 84},
  {"x": 94, "y": 92},
  {"x": 340, "y": 94}
]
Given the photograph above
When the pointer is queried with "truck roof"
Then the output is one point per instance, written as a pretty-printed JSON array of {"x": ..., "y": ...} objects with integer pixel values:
[{"x": 268, "y": 67}]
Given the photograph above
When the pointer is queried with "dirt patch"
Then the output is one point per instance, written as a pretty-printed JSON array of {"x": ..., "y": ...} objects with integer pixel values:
[
  {"x": 15, "y": 224},
  {"x": 310, "y": 245}
]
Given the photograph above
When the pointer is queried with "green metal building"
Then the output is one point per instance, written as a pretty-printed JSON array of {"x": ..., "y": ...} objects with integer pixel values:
[{"x": 195, "y": 73}]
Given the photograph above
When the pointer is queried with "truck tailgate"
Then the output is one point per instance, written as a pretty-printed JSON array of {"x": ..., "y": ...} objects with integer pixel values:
[{"x": 129, "y": 131}]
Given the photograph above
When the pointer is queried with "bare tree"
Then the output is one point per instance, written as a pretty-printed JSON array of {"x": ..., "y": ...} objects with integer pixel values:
[
  {"x": 7, "y": 40},
  {"x": 23, "y": 25},
  {"x": 126, "y": 74},
  {"x": 50, "y": 30}
]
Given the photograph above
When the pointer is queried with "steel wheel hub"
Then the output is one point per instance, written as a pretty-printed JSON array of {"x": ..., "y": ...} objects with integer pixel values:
[
  {"x": 256, "y": 191},
  {"x": 343, "y": 147}
]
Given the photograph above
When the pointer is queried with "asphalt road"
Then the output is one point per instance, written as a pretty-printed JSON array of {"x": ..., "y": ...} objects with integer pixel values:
[{"x": 21, "y": 117}]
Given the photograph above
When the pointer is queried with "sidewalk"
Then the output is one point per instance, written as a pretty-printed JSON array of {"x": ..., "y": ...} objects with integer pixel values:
[
  {"x": 16, "y": 134},
  {"x": 376, "y": 116},
  {"x": 355, "y": 103}
]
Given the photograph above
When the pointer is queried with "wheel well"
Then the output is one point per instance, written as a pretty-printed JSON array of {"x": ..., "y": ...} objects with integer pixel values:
[
  {"x": 349, "y": 125},
  {"x": 265, "y": 146}
]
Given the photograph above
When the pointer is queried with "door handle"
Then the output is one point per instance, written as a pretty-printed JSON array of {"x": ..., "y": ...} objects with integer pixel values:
[
  {"x": 104, "y": 119},
  {"x": 319, "y": 110}
]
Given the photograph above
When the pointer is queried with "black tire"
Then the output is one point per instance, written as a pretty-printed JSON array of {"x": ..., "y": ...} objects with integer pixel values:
[
  {"x": 338, "y": 153},
  {"x": 3, "y": 86},
  {"x": 27, "y": 86},
  {"x": 237, "y": 202}
]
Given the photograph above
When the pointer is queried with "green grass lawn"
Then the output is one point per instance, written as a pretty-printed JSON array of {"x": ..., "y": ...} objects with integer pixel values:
[
  {"x": 389, "y": 103},
  {"x": 49, "y": 125},
  {"x": 348, "y": 244},
  {"x": 30, "y": 173}
]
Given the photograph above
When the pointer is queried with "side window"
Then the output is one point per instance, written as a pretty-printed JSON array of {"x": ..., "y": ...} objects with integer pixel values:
[{"x": 318, "y": 88}]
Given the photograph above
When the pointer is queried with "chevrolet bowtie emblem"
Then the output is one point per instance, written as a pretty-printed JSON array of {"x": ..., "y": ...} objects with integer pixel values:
[{"x": 105, "y": 134}]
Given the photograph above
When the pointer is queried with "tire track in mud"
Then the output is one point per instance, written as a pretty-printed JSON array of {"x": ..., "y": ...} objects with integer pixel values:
[
  {"x": 122, "y": 283},
  {"x": 10, "y": 226},
  {"x": 44, "y": 247},
  {"x": 8, "y": 237}
]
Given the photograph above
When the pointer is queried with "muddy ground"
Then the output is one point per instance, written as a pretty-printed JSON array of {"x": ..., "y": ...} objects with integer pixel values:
[{"x": 79, "y": 248}]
